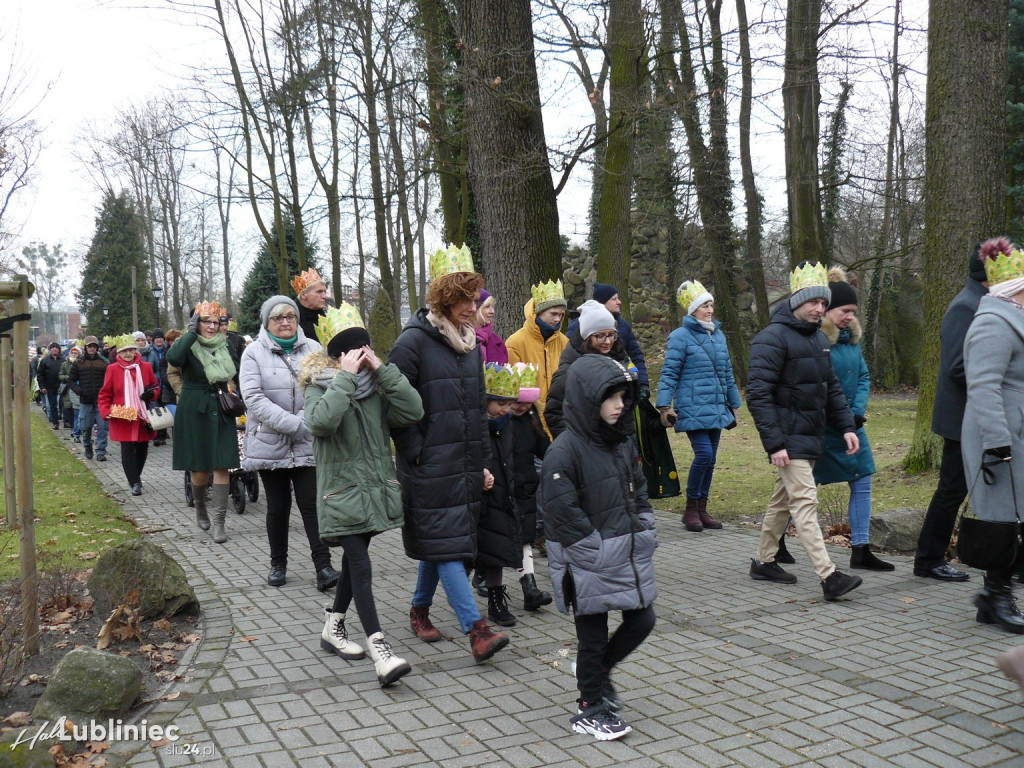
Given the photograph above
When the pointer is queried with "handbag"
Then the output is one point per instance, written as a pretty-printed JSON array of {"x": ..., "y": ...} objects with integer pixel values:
[
  {"x": 160, "y": 418},
  {"x": 989, "y": 545},
  {"x": 230, "y": 403}
]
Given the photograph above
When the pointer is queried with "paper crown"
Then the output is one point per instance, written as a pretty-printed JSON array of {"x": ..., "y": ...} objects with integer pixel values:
[
  {"x": 1002, "y": 260},
  {"x": 305, "y": 280},
  {"x": 124, "y": 341},
  {"x": 108, "y": 340},
  {"x": 209, "y": 309},
  {"x": 337, "y": 319},
  {"x": 549, "y": 293},
  {"x": 502, "y": 381},
  {"x": 529, "y": 392},
  {"x": 451, "y": 260},
  {"x": 233, "y": 325},
  {"x": 810, "y": 275},
  {"x": 688, "y": 292}
]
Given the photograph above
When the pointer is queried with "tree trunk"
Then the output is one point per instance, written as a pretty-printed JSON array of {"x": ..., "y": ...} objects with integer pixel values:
[
  {"x": 965, "y": 165},
  {"x": 508, "y": 158},
  {"x": 800, "y": 99},
  {"x": 626, "y": 54}
]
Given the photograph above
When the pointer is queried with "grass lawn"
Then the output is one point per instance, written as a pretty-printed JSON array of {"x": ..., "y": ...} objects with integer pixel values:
[
  {"x": 74, "y": 519},
  {"x": 744, "y": 478}
]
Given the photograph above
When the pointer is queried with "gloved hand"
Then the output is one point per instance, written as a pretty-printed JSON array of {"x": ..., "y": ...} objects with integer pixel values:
[
  {"x": 1002, "y": 453},
  {"x": 668, "y": 417},
  {"x": 645, "y": 392},
  {"x": 147, "y": 393},
  {"x": 859, "y": 421},
  {"x": 193, "y": 324}
]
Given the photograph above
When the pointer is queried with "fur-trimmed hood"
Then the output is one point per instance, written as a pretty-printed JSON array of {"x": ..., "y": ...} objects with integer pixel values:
[
  {"x": 317, "y": 368},
  {"x": 832, "y": 331}
]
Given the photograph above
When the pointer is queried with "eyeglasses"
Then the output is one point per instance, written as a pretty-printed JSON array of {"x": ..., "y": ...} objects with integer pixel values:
[
  {"x": 608, "y": 336},
  {"x": 212, "y": 321},
  {"x": 285, "y": 318}
]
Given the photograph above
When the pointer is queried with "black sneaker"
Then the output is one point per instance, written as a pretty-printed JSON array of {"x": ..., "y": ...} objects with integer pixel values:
[
  {"x": 600, "y": 722},
  {"x": 278, "y": 576},
  {"x": 770, "y": 572},
  {"x": 838, "y": 584},
  {"x": 101, "y": 457}
]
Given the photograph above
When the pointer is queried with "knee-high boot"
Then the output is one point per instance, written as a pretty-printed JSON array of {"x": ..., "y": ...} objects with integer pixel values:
[
  {"x": 199, "y": 493},
  {"x": 219, "y": 500}
]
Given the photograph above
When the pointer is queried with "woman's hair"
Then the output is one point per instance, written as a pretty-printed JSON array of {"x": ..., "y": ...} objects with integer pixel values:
[
  {"x": 172, "y": 336},
  {"x": 590, "y": 345},
  {"x": 451, "y": 289},
  {"x": 488, "y": 302}
]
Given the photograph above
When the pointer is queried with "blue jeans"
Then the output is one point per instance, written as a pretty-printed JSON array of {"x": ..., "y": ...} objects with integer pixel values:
[
  {"x": 705, "y": 448},
  {"x": 53, "y": 406},
  {"x": 87, "y": 416},
  {"x": 860, "y": 509},
  {"x": 452, "y": 575},
  {"x": 75, "y": 431}
]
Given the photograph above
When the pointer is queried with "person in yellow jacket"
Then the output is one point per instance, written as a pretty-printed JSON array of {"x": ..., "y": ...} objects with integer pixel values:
[{"x": 540, "y": 340}]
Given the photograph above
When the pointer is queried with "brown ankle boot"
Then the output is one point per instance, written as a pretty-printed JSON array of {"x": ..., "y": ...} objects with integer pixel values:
[
  {"x": 484, "y": 642},
  {"x": 419, "y": 619},
  {"x": 690, "y": 517},
  {"x": 707, "y": 520}
]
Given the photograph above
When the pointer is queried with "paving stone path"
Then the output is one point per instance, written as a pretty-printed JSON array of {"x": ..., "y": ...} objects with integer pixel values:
[{"x": 736, "y": 673}]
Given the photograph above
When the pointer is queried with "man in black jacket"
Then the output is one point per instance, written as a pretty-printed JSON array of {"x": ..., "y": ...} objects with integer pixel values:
[
  {"x": 48, "y": 377},
  {"x": 86, "y": 380},
  {"x": 791, "y": 392},
  {"x": 947, "y": 416}
]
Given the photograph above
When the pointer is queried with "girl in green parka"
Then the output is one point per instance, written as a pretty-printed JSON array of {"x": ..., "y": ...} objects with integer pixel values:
[{"x": 352, "y": 402}]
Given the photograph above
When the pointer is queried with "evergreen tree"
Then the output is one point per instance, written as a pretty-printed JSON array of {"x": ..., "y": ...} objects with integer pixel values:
[
  {"x": 107, "y": 279},
  {"x": 261, "y": 282}
]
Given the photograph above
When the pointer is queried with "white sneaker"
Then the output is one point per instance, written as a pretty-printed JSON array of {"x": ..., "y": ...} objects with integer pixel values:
[
  {"x": 389, "y": 667},
  {"x": 334, "y": 638},
  {"x": 600, "y": 722}
]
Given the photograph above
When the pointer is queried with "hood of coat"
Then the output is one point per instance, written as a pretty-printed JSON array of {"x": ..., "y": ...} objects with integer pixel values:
[
  {"x": 317, "y": 368},
  {"x": 784, "y": 315},
  {"x": 589, "y": 379},
  {"x": 832, "y": 330}
]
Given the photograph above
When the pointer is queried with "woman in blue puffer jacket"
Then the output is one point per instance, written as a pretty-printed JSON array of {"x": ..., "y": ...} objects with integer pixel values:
[{"x": 697, "y": 380}]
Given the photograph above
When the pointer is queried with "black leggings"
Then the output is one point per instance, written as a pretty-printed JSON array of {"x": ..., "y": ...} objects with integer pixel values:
[
  {"x": 277, "y": 485},
  {"x": 598, "y": 654},
  {"x": 356, "y": 581},
  {"x": 133, "y": 460}
]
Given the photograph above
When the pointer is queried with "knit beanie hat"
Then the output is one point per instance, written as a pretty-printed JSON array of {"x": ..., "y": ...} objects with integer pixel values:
[
  {"x": 268, "y": 306},
  {"x": 139, "y": 335},
  {"x": 808, "y": 281},
  {"x": 158, "y": 333},
  {"x": 842, "y": 292},
  {"x": 594, "y": 317},
  {"x": 976, "y": 267},
  {"x": 603, "y": 292}
]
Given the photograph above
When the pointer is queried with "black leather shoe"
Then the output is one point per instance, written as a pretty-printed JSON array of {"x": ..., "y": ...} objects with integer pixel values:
[
  {"x": 136, "y": 489},
  {"x": 944, "y": 572},
  {"x": 278, "y": 576},
  {"x": 101, "y": 457},
  {"x": 326, "y": 578}
]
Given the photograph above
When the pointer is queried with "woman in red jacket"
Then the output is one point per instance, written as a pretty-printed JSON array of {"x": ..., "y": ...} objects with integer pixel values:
[{"x": 128, "y": 387}]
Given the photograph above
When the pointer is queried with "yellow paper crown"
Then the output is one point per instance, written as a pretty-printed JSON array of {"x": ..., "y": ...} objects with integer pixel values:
[
  {"x": 527, "y": 375},
  {"x": 209, "y": 309},
  {"x": 306, "y": 280},
  {"x": 233, "y": 325},
  {"x": 690, "y": 292},
  {"x": 502, "y": 381},
  {"x": 450, "y": 260},
  {"x": 1002, "y": 259},
  {"x": 108, "y": 340},
  {"x": 337, "y": 319},
  {"x": 810, "y": 275},
  {"x": 124, "y": 340},
  {"x": 546, "y": 293}
]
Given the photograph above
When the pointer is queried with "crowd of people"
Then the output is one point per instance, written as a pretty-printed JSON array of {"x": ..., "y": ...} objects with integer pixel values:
[{"x": 507, "y": 448}]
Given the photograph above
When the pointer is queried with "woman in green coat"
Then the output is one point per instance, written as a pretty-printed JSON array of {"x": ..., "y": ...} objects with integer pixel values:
[
  {"x": 352, "y": 401},
  {"x": 205, "y": 439}
]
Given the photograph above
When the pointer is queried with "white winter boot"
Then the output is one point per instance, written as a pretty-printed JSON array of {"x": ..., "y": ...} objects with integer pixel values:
[
  {"x": 334, "y": 638},
  {"x": 389, "y": 667}
]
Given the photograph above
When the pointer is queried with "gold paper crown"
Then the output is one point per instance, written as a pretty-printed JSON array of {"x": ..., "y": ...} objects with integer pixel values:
[
  {"x": 453, "y": 259},
  {"x": 686, "y": 296},
  {"x": 306, "y": 280},
  {"x": 108, "y": 340},
  {"x": 547, "y": 292},
  {"x": 502, "y": 381},
  {"x": 233, "y": 325},
  {"x": 527, "y": 375},
  {"x": 336, "y": 320},
  {"x": 1003, "y": 261},
  {"x": 124, "y": 340},
  {"x": 810, "y": 275},
  {"x": 209, "y": 309}
]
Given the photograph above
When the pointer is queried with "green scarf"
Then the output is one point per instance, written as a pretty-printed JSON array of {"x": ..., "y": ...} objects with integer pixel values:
[
  {"x": 214, "y": 356},
  {"x": 285, "y": 344}
]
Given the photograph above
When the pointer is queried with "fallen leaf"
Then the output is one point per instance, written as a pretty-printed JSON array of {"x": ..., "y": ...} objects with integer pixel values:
[
  {"x": 96, "y": 747},
  {"x": 158, "y": 744},
  {"x": 18, "y": 719},
  {"x": 171, "y": 696},
  {"x": 163, "y": 625},
  {"x": 248, "y": 640},
  {"x": 87, "y": 555},
  {"x": 908, "y": 600}
]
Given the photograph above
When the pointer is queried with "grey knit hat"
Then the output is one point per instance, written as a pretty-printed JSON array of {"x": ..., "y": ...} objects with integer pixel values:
[
  {"x": 595, "y": 317},
  {"x": 269, "y": 304}
]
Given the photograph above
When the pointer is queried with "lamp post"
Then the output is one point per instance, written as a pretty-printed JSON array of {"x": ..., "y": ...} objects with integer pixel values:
[
  {"x": 157, "y": 291},
  {"x": 106, "y": 312}
]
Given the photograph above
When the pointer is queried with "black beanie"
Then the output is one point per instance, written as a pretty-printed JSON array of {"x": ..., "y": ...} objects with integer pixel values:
[
  {"x": 842, "y": 294},
  {"x": 975, "y": 267},
  {"x": 349, "y": 339}
]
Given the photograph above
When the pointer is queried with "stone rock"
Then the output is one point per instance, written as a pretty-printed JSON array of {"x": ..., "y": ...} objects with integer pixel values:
[
  {"x": 23, "y": 755},
  {"x": 896, "y": 530},
  {"x": 90, "y": 684},
  {"x": 572, "y": 277},
  {"x": 640, "y": 313},
  {"x": 139, "y": 565},
  {"x": 744, "y": 301}
]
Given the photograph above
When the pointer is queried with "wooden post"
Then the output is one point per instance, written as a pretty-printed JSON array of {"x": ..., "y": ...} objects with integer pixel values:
[
  {"x": 23, "y": 447},
  {"x": 135, "y": 304},
  {"x": 7, "y": 431}
]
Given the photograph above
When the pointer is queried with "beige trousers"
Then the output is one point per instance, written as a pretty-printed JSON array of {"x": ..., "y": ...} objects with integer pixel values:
[{"x": 795, "y": 495}]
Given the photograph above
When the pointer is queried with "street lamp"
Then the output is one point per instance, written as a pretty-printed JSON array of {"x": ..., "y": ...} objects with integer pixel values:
[
  {"x": 157, "y": 291},
  {"x": 106, "y": 312}
]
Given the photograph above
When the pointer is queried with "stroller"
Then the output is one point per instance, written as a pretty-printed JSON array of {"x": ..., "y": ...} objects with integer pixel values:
[{"x": 243, "y": 484}]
